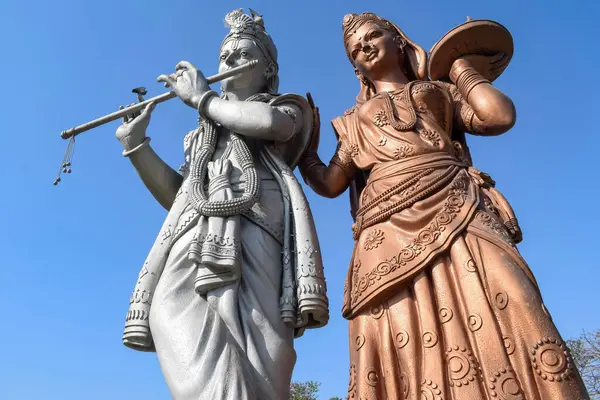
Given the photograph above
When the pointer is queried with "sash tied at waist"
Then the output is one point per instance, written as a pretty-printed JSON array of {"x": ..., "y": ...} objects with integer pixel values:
[{"x": 414, "y": 179}]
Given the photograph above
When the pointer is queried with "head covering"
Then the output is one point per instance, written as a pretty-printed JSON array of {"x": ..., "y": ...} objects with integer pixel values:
[
  {"x": 415, "y": 58},
  {"x": 252, "y": 27}
]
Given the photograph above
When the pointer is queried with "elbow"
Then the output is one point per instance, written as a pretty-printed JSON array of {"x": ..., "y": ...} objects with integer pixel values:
[
  {"x": 502, "y": 120},
  {"x": 329, "y": 191}
]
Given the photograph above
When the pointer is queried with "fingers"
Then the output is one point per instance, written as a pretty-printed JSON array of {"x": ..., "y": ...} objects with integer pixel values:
[
  {"x": 185, "y": 65},
  {"x": 169, "y": 80},
  {"x": 498, "y": 57},
  {"x": 125, "y": 119},
  {"x": 310, "y": 100},
  {"x": 148, "y": 109}
]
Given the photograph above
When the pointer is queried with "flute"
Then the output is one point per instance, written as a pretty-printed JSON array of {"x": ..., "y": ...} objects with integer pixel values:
[
  {"x": 69, "y": 133},
  {"x": 65, "y": 166}
]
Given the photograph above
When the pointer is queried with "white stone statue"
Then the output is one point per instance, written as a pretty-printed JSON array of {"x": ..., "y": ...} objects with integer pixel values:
[{"x": 235, "y": 273}]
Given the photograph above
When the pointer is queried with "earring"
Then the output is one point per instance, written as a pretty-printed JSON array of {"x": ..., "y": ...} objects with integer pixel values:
[{"x": 361, "y": 77}]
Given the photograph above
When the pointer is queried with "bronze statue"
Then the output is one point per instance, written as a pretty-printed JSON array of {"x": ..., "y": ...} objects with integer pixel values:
[{"x": 441, "y": 304}]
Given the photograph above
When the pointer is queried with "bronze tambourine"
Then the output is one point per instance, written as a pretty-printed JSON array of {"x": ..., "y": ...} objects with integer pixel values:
[{"x": 481, "y": 37}]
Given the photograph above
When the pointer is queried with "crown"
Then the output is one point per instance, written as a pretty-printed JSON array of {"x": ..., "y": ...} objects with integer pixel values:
[
  {"x": 352, "y": 22},
  {"x": 241, "y": 25}
]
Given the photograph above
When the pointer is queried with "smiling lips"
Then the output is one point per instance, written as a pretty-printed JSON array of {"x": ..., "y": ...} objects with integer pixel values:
[{"x": 371, "y": 55}]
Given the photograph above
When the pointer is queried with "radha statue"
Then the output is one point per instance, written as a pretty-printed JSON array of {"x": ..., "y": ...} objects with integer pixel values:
[
  {"x": 440, "y": 302},
  {"x": 235, "y": 273}
]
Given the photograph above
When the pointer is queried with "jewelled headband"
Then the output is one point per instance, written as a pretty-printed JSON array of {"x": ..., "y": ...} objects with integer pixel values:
[{"x": 253, "y": 28}]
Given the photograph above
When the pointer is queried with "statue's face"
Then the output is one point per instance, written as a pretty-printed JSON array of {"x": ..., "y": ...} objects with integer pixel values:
[
  {"x": 373, "y": 50},
  {"x": 238, "y": 52}
]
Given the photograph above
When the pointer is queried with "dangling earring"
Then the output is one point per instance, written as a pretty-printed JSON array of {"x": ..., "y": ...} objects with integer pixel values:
[{"x": 361, "y": 77}]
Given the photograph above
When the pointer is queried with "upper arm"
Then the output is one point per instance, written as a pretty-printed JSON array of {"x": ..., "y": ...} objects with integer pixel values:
[
  {"x": 291, "y": 121},
  {"x": 466, "y": 118}
]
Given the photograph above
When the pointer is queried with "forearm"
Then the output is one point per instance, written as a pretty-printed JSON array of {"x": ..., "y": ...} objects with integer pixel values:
[
  {"x": 251, "y": 118},
  {"x": 327, "y": 181},
  {"x": 494, "y": 112},
  {"x": 160, "y": 179}
]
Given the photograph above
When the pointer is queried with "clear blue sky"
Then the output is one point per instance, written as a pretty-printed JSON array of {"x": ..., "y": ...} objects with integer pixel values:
[{"x": 70, "y": 254}]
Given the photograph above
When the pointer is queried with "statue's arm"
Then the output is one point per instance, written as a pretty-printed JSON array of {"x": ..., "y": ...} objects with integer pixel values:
[
  {"x": 482, "y": 108},
  {"x": 326, "y": 180},
  {"x": 256, "y": 119},
  {"x": 160, "y": 179}
]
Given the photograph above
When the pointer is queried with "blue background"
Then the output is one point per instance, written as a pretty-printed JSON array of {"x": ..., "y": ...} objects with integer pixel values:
[{"x": 70, "y": 254}]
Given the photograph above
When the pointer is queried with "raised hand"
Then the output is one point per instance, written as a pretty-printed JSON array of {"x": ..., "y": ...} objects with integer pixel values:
[
  {"x": 490, "y": 66},
  {"x": 133, "y": 130},
  {"x": 316, "y": 133},
  {"x": 187, "y": 82}
]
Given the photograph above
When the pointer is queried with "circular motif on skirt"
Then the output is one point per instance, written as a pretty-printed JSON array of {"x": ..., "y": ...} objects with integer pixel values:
[
  {"x": 504, "y": 385},
  {"x": 501, "y": 300},
  {"x": 445, "y": 315},
  {"x": 430, "y": 339},
  {"x": 359, "y": 341},
  {"x": 430, "y": 390},
  {"x": 509, "y": 345},
  {"x": 377, "y": 311},
  {"x": 551, "y": 360},
  {"x": 402, "y": 338},
  {"x": 475, "y": 322},
  {"x": 371, "y": 377},
  {"x": 470, "y": 266},
  {"x": 462, "y": 366}
]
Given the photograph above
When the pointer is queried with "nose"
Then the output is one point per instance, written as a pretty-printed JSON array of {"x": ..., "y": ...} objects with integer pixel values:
[
  {"x": 366, "y": 46},
  {"x": 230, "y": 60}
]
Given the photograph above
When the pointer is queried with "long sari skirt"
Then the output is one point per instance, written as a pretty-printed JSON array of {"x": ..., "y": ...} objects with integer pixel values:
[{"x": 471, "y": 325}]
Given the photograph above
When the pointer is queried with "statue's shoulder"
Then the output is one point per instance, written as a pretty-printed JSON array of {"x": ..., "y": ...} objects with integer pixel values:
[{"x": 293, "y": 149}]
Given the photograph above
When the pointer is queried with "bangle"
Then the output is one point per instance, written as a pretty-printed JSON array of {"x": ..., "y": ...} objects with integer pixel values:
[
  {"x": 467, "y": 80},
  {"x": 203, "y": 99},
  {"x": 146, "y": 142},
  {"x": 458, "y": 67}
]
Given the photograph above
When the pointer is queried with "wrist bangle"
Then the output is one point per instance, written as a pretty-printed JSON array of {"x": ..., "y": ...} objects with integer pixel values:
[
  {"x": 203, "y": 99},
  {"x": 467, "y": 80},
  {"x": 146, "y": 142}
]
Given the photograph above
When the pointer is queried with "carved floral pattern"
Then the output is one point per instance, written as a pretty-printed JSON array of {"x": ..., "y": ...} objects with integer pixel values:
[
  {"x": 380, "y": 119},
  {"x": 402, "y": 151},
  {"x": 431, "y": 233},
  {"x": 492, "y": 224},
  {"x": 430, "y": 136},
  {"x": 374, "y": 239}
]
